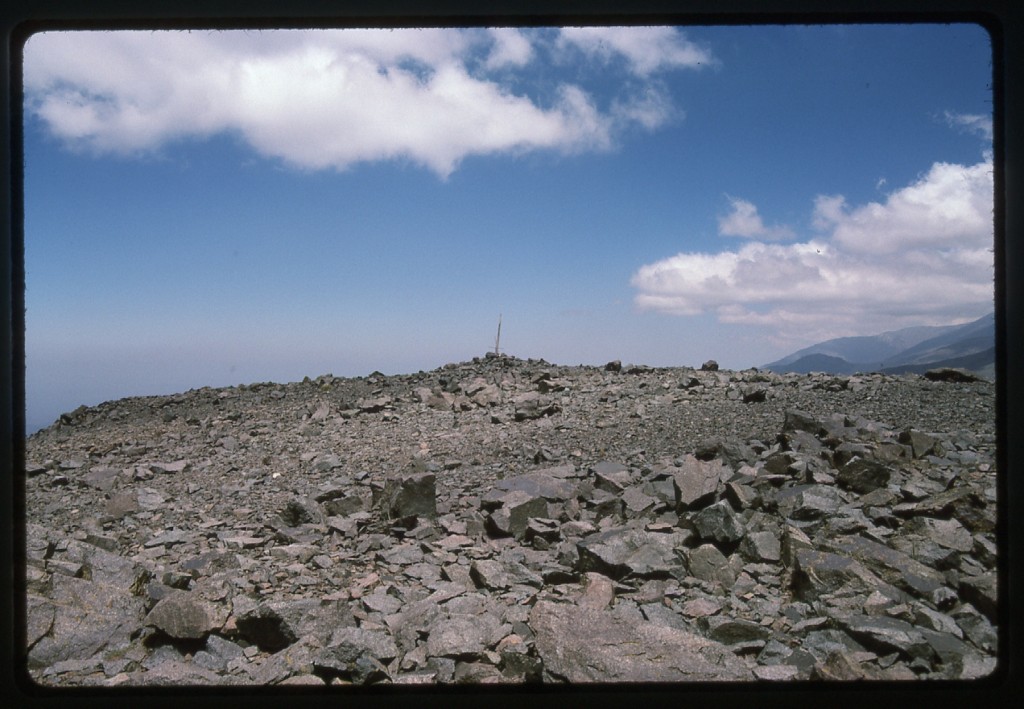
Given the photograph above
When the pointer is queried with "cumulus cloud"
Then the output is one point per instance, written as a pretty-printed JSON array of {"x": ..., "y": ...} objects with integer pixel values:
[
  {"x": 511, "y": 48},
  {"x": 923, "y": 256},
  {"x": 645, "y": 49},
  {"x": 746, "y": 222},
  {"x": 329, "y": 99}
]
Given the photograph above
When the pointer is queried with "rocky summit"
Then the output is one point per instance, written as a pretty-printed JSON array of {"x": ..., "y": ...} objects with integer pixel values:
[{"x": 513, "y": 521}]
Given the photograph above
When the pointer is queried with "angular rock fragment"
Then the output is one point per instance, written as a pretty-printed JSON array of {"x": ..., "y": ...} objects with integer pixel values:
[
  {"x": 888, "y": 635},
  {"x": 982, "y": 592},
  {"x": 275, "y": 625},
  {"x": 301, "y": 511},
  {"x": 719, "y": 523},
  {"x": 707, "y": 563},
  {"x": 619, "y": 552},
  {"x": 87, "y": 617},
  {"x": 184, "y": 616},
  {"x": 533, "y": 405},
  {"x": 496, "y": 575},
  {"x": 894, "y": 566},
  {"x": 733, "y": 631},
  {"x": 863, "y": 475},
  {"x": 410, "y": 495},
  {"x": 465, "y": 635},
  {"x": 514, "y": 511},
  {"x": 696, "y": 481},
  {"x": 580, "y": 645},
  {"x": 761, "y": 546}
]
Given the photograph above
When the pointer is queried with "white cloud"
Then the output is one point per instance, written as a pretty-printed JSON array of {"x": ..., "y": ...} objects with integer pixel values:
[
  {"x": 511, "y": 48},
  {"x": 326, "y": 99},
  {"x": 971, "y": 123},
  {"x": 746, "y": 222},
  {"x": 646, "y": 49},
  {"x": 924, "y": 256},
  {"x": 949, "y": 207}
]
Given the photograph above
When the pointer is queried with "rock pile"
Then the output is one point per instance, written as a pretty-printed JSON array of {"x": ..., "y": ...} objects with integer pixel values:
[{"x": 504, "y": 520}]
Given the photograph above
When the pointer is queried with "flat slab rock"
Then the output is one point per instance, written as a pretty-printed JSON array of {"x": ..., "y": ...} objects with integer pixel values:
[{"x": 579, "y": 644}]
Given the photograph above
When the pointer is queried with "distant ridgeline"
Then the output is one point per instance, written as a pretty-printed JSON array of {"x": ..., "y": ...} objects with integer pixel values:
[{"x": 912, "y": 349}]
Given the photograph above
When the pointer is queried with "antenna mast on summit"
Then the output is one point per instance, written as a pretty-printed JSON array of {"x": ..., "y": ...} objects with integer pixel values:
[{"x": 497, "y": 340}]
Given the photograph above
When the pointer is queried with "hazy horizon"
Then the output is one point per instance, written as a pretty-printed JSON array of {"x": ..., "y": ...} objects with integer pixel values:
[{"x": 218, "y": 208}]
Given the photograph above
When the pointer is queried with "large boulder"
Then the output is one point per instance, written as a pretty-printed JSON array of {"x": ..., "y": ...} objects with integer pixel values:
[
  {"x": 580, "y": 644},
  {"x": 80, "y": 619},
  {"x": 620, "y": 552}
]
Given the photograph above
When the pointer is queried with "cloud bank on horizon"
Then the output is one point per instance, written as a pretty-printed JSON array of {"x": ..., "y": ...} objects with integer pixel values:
[
  {"x": 328, "y": 100},
  {"x": 923, "y": 256}
]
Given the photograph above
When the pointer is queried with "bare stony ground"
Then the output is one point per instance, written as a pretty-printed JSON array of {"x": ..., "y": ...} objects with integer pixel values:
[{"x": 514, "y": 521}]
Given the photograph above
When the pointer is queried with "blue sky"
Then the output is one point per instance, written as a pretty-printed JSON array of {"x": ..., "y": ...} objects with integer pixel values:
[{"x": 216, "y": 208}]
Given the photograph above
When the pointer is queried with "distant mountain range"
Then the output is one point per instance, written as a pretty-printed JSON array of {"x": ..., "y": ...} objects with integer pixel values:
[{"x": 914, "y": 349}]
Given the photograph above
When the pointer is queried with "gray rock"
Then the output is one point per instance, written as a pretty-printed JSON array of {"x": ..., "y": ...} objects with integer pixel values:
[
  {"x": 513, "y": 515},
  {"x": 888, "y": 635},
  {"x": 950, "y": 374},
  {"x": 794, "y": 533},
  {"x": 611, "y": 476},
  {"x": 863, "y": 475},
  {"x": 707, "y": 563},
  {"x": 352, "y": 662},
  {"x": 554, "y": 484},
  {"x": 301, "y": 511},
  {"x": 176, "y": 673},
  {"x": 947, "y": 533},
  {"x": 374, "y": 643},
  {"x": 808, "y": 502},
  {"x": 982, "y": 592},
  {"x": 275, "y": 625},
  {"x": 217, "y": 653},
  {"x": 500, "y": 574},
  {"x": 605, "y": 504},
  {"x": 660, "y": 614},
  {"x": 598, "y": 591},
  {"x": 619, "y": 552},
  {"x": 465, "y": 635},
  {"x": 733, "y": 631},
  {"x": 731, "y": 451},
  {"x": 410, "y": 495},
  {"x": 893, "y": 566},
  {"x": 637, "y": 502},
  {"x": 103, "y": 479},
  {"x": 761, "y": 546},
  {"x": 797, "y": 420},
  {"x": 542, "y": 528},
  {"x": 87, "y": 617},
  {"x": 585, "y": 645},
  {"x": 819, "y": 573},
  {"x": 719, "y": 523},
  {"x": 921, "y": 444},
  {"x": 696, "y": 481},
  {"x": 533, "y": 405},
  {"x": 184, "y": 616},
  {"x": 99, "y": 565},
  {"x": 962, "y": 502}
]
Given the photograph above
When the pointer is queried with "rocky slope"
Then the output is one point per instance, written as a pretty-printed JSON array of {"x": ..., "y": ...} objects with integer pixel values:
[{"x": 504, "y": 520}]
